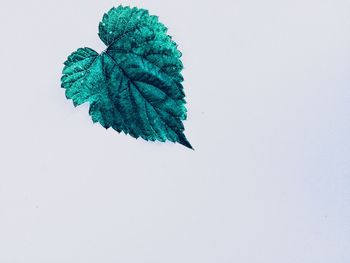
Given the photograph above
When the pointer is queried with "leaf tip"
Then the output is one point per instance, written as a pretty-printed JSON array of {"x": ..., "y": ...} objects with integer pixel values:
[{"x": 183, "y": 140}]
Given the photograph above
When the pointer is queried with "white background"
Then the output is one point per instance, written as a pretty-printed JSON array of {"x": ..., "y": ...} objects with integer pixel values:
[{"x": 267, "y": 86}]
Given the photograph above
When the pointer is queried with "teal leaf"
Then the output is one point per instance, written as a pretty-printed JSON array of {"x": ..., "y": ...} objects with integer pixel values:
[{"x": 134, "y": 86}]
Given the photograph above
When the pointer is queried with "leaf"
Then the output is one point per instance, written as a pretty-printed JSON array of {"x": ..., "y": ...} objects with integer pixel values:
[{"x": 134, "y": 86}]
